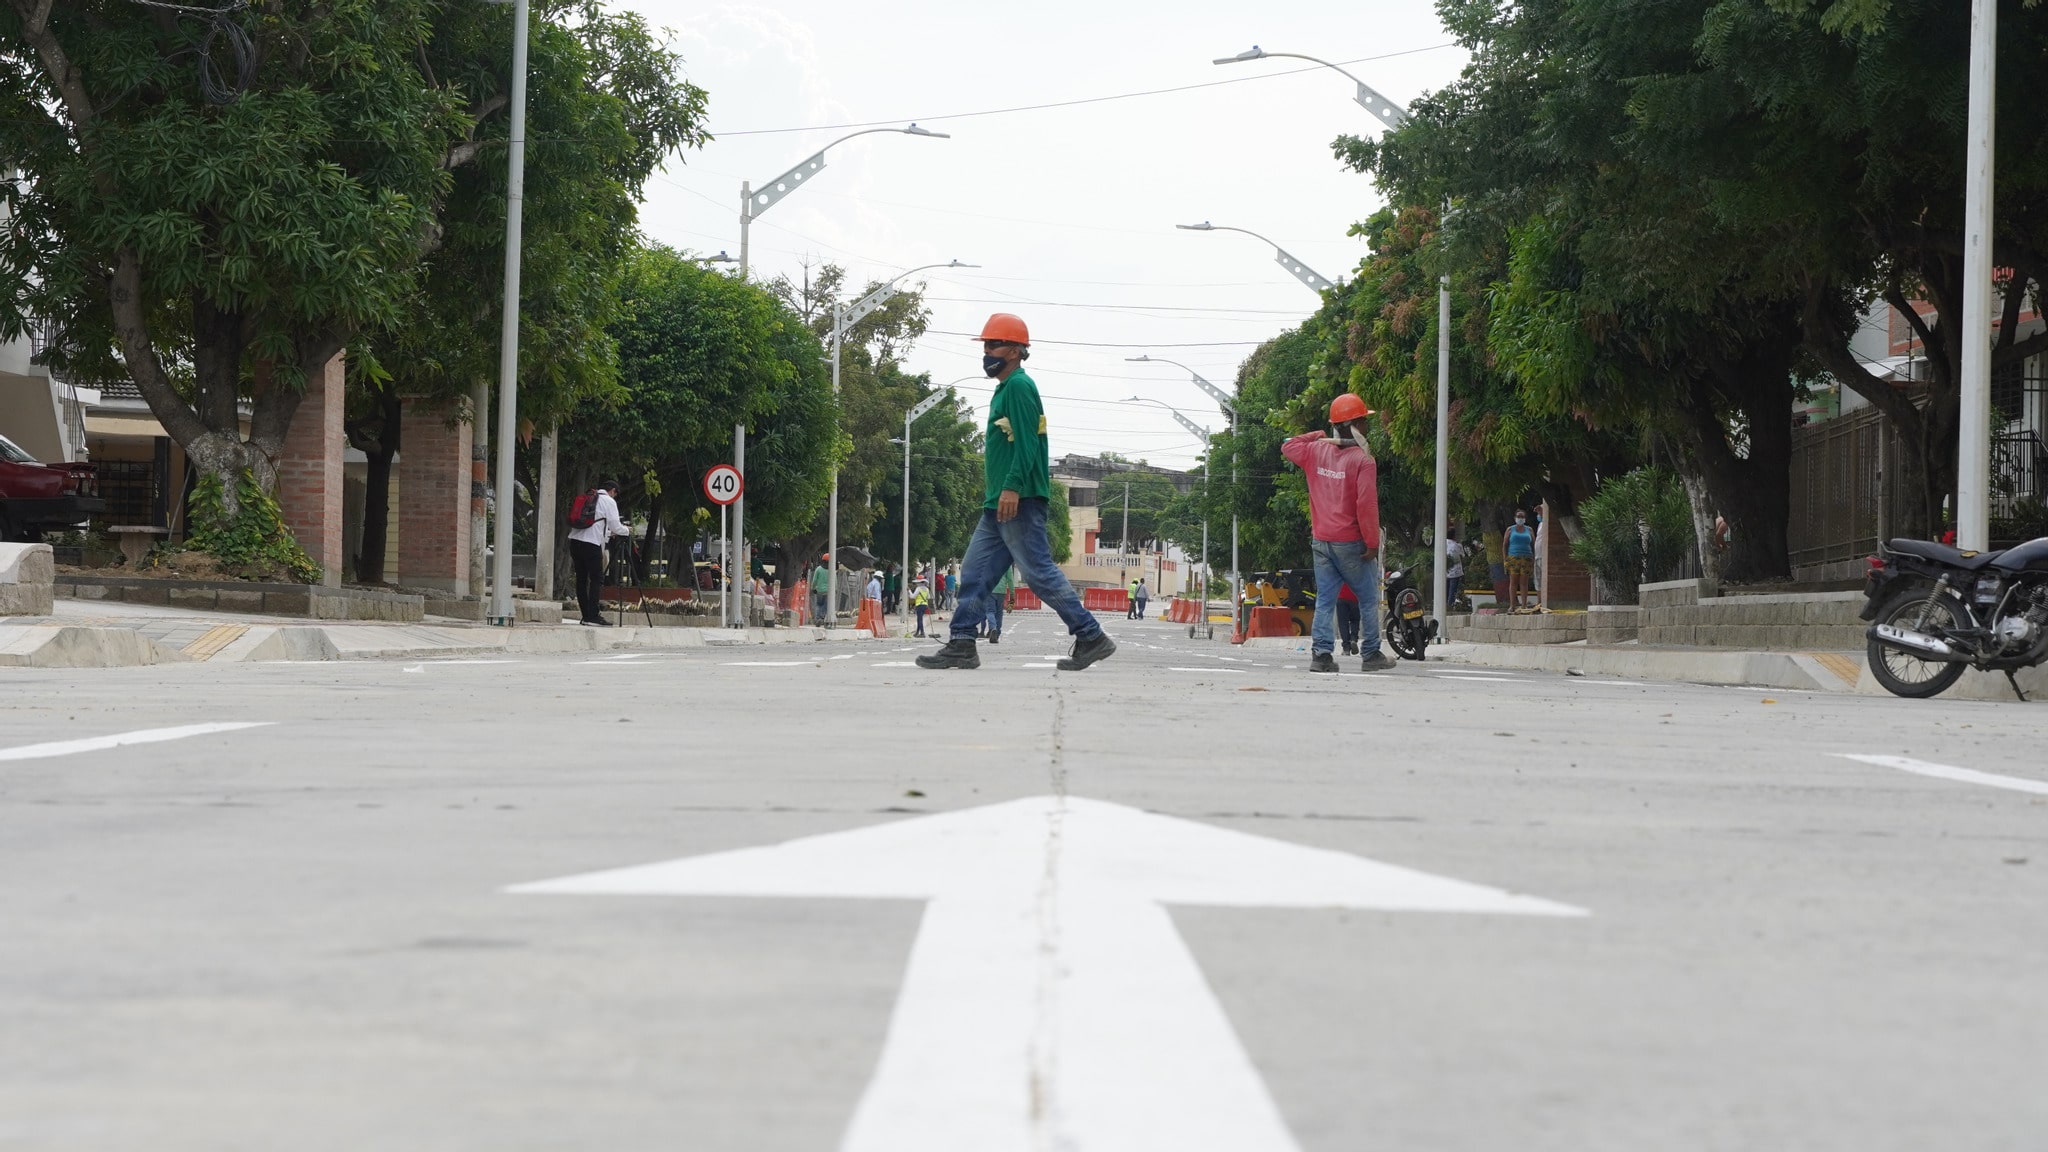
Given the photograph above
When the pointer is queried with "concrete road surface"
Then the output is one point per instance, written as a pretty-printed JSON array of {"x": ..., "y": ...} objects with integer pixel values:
[{"x": 299, "y": 935}]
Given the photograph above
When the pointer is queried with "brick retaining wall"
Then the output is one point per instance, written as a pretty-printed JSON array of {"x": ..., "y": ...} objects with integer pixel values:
[{"x": 309, "y": 600}]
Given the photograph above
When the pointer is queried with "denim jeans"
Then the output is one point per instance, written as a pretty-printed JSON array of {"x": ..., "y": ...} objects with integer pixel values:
[
  {"x": 994, "y": 606},
  {"x": 1021, "y": 542},
  {"x": 1347, "y": 563}
]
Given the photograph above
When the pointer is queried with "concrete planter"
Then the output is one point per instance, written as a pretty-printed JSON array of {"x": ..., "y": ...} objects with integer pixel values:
[
  {"x": 1502, "y": 628},
  {"x": 1611, "y": 623},
  {"x": 310, "y": 600},
  {"x": 27, "y": 575}
]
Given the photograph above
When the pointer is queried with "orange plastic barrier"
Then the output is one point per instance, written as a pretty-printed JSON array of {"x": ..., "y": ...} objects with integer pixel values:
[
  {"x": 1024, "y": 598},
  {"x": 1270, "y": 621},
  {"x": 871, "y": 618},
  {"x": 1106, "y": 599},
  {"x": 1185, "y": 611}
]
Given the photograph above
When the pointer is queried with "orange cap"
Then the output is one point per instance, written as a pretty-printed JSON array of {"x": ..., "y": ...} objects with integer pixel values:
[
  {"x": 1005, "y": 327},
  {"x": 1347, "y": 408}
]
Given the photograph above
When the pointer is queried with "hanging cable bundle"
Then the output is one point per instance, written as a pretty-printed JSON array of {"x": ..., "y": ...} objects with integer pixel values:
[{"x": 223, "y": 35}]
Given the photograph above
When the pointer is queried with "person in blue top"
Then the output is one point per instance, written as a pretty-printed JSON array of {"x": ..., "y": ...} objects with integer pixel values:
[{"x": 1518, "y": 543}]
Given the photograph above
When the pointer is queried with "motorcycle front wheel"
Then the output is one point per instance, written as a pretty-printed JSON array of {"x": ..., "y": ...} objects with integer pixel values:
[{"x": 1902, "y": 673}]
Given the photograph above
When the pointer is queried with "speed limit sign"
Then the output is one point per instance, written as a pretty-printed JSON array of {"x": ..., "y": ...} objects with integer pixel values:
[{"x": 723, "y": 484}]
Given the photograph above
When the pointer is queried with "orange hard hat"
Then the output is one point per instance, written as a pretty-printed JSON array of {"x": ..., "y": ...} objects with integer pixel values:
[
  {"x": 1347, "y": 408},
  {"x": 1005, "y": 327}
]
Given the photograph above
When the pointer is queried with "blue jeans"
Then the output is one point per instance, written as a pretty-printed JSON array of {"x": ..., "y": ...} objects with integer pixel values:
[
  {"x": 1022, "y": 542},
  {"x": 1347, "y": 563},
  {"x": 994, "y": 605}
]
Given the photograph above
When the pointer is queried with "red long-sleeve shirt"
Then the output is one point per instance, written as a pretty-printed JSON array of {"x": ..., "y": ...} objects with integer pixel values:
[{"x": 1343, "y": 489}]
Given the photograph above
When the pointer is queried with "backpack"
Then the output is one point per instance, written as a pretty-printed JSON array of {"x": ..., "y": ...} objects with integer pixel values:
[{"x": 583, "y": 510}]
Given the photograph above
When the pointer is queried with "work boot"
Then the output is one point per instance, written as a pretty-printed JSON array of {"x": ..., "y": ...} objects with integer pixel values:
[
  {"x": 996, "y": 637},
  {"x": 956, "y": 654},
  {"x": 1087, "y": 652},
  {"x": 1375, "y": 661},
  {"x": 1323, "y": 662}
]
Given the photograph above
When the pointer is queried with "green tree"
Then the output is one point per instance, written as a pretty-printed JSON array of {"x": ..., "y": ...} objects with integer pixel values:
[
  {"x": 216, "y": 252},
  {"x": 605, "y": 105},
  {"x": 698, "y": 353},
  {"x": 945, "y": 485}
]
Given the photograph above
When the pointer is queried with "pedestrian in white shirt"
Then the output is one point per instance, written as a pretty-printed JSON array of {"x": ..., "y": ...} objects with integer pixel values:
[
  {"x": 593, "y": 521},
  {"x": 874, "y": 589}
]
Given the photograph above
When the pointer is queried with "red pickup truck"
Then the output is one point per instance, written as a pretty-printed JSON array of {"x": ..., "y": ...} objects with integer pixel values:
[{"x": 36, "y": 498}]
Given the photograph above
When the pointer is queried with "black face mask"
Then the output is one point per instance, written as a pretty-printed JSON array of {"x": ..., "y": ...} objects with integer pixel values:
[{"x": 993, "y": 365}]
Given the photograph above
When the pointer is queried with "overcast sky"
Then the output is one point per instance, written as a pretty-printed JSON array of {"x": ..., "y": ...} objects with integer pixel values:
[{"x": 1070, "y": 211}]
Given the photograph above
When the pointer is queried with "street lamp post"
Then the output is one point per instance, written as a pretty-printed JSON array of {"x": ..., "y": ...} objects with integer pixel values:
[
  {"x": 842, "y": 318},
  {"x": 508, "y": 338},
  {"x": 1222, "y": 400},
  {"x": 903, "y": 577},
  {"x": 1202, "y": 432},
  {"x": 752, "y": 204},
  {"x": 1394, "y": 116}
]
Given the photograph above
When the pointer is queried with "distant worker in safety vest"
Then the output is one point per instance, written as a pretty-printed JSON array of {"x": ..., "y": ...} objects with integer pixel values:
[
  {"x": 1344, "y": 516},
  {"x": 1018, "y": 484}
]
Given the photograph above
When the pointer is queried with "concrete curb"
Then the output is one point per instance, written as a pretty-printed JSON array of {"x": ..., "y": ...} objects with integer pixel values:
[
  {"x": 73, "y": 646},
  {"x": 1697, "y": 666},
  {"x": 49, "y": 645}
]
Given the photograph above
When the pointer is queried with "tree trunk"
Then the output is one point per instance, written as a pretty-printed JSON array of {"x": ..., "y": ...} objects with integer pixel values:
[{"x": 376, "y": 516}]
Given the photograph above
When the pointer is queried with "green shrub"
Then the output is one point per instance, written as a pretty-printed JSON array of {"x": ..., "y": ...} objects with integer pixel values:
[
  {"x": 254, "y": 544},
  {"x": 1634, "y": 530}
]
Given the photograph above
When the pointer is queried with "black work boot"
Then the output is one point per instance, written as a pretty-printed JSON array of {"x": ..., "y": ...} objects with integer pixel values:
[
  {"x": 1375, "y": 661},
  {"x": 956, "y": 654},
  {"x": 1323, "y": 662},
  {"x": 1087, "y": 652},
  {"x": 996, "y": 637}
]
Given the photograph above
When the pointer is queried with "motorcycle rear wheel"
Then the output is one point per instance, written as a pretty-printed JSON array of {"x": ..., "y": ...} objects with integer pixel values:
[{"x": 1902, "y": 673}]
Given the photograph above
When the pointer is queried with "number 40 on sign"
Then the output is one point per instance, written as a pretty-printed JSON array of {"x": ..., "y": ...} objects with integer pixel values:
[{"x": 723, "y": 484}]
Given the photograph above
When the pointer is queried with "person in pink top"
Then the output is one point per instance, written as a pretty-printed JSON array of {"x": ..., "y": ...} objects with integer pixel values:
[{"x": 1344, "y": 518}]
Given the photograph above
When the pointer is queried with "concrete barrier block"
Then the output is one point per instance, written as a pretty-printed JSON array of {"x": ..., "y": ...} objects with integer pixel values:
[
  {"x": 290, "y": 602},
  {"x": 202, "y": 598}
]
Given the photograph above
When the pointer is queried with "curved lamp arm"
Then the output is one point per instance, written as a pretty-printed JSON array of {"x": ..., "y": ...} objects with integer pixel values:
[
  {"x": 767, "y": 195},
  {"x": 1388, "y": 112},
  {"x": 1315, "y": 281}
]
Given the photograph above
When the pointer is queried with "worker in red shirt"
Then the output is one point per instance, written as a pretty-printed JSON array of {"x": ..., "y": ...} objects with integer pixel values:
[{"x": 1344, "y": 519}]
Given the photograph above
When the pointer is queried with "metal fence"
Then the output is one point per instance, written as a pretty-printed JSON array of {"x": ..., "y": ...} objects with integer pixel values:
[{"x": 1842, "y": 491}]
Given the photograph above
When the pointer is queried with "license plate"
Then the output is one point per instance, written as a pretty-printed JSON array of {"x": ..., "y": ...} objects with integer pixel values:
[{"x": 1415, "y": 615}]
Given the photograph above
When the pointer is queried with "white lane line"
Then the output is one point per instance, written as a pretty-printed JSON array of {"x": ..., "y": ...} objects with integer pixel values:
[
  {"x": 1038, "y": 665},
  {"x": 767, "y": 663},
  {"x": 140, "y": 736},
  {"x": 843, "y": 656},
  {"x": 609, "y": 659},
  {"x": 895, "y": 664},
  {"x": 439, "y": 662},
  {"x": 1947, "y": 772},
  {"x": 1467, "y": 676},
  {"x": 1232, "y": 671}
]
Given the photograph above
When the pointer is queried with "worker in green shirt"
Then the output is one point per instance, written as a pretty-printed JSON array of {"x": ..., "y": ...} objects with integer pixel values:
[
  {"x": 1018, "y": 471},
  {"x": 821, "y": 577}
]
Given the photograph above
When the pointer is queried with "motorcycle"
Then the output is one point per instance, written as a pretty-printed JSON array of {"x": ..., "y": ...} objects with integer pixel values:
[
  {"x": 1407, "y": 627},
  {"x": 1935, "y": 612}
]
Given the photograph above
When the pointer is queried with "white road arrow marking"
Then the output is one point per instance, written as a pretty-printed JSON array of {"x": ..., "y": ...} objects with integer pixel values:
[{"x": 1049, "y": 1002}]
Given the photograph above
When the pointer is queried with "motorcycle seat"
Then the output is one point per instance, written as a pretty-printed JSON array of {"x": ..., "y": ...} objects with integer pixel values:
[{"x": 1940, "y": 554}]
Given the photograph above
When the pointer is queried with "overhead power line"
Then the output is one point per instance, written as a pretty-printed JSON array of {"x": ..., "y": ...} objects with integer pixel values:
[
  {"x": 1140, "y": 344},
  {"x": 1076, "y": 102}
]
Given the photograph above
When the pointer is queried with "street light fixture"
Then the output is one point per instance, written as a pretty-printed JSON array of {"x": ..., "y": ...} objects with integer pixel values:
[
  {"x": 1394, "y": 116},
  {"x": 1302, "y": 272},
  {"x": 1223, "y": 401},
  {"x": 841, "y": 319},
  {"x": 721, "y": 258}
]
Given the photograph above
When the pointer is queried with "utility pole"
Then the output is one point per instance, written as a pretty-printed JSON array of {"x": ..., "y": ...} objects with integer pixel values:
[
  {"x": 1973, "y": 426},
  {"x": 1123, "y": 540},
  {"x": 739, "y": 532},
  {"x": 508, "y": 337},
  {"x": 544, "y": 516}
]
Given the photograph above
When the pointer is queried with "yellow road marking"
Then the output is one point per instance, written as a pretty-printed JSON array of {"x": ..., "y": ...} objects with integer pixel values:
[
  {"x": 1842, "y": 666},
  {"x": 216, "y": 638}
]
